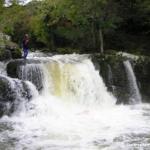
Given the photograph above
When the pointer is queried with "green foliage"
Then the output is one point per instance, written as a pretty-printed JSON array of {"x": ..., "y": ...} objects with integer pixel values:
[
  {"x": 77, "y": 24},
  {"x": 16, "y": 53},
  {"x": 67, "y": 50}
]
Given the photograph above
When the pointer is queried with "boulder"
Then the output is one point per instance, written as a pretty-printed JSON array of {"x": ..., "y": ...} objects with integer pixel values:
[
  {"x": 5, "y": 54},
  {"x": 8, "y": 49},
  {"x": 12, "y": 93}
]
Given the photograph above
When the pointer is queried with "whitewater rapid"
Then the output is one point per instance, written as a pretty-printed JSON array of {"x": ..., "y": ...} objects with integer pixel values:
[{"x": 75, "y": 112}]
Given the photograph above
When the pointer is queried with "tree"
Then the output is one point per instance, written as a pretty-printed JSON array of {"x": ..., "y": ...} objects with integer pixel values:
[
  {"x": 99, "y": 15},
  {"x": 1, "y": 6}
]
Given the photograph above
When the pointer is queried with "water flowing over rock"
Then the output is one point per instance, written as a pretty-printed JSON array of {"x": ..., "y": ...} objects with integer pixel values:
[
  {"x": 77, "y": 81},
  {"x": 62, "y": 76},
  {"x": 33, "y": 73},
  {"x": 135, "y": 96},
  {"x": 13, "y": 92},
  {"x": 73, "y": 103},
  {"x": 111, "y": 68},
  {"x": 27, "y": 70},
  {"x": 117, "y": 77},
  {"x": 3, "y": 66}
]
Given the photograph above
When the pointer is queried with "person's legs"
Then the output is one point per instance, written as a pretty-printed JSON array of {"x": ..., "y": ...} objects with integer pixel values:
[{"x": 25, "y": 50}]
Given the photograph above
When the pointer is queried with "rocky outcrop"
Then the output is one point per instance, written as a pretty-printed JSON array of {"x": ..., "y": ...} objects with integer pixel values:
[
  {"x": 114, "y": 75},
  {"x": 26, "y": 70},
  {"x": 112, "y": 70},
  {"x": 12, "y": 92},
  {"x": 111, "y": 67},
  {"x": 5, "y": 54},
  {"x": 8, "y": 49},
  {"x": 142, "y": 72}
]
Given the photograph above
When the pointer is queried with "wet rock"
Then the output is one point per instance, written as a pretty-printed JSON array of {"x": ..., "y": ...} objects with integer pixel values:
[
  {"x": 12, "y": 93},
  {"x": 27, "y": 70},
  {"x": 5, "y": 54},
  {"x": 142, "y": 72},
  {"x": 112, "y": 70}
]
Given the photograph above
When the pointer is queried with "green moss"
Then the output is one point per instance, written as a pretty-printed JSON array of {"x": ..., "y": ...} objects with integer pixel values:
[
  {"x": 112, "y": 59},
  {"x": 4, "y": 54},
  {"x": 11, "y": 45},
  {"x": 17, "y": 53},
  {"x": 67, "y": 50}
]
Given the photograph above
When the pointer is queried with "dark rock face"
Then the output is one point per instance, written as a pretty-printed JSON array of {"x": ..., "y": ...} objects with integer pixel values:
[
  {"x": 5, "y": 54},
  {"x": 28, "y": 70},
  {"x": 8, "y": 49},
  {"x": 114, "y": 75},
  {"x": 142, "y": 72},
  {"x": 12, "y": 92}
]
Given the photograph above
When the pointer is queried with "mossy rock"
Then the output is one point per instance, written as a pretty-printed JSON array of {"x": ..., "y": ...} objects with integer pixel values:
[
  {"x": 16, "y": 53},
  {"x": 11, "y": 45},
  {"x": 112, "y": 70},
  {"x": 142, "y": 72},
  {"x": 4, "y": 54},
  {"x": 67, "y": 50},
  {"x": 34, "y": 75},
  {"x": 7, "y": 96},
  {"x": 12, "y": 93}
]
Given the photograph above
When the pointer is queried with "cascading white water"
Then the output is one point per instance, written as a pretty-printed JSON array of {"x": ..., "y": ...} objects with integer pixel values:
[
  {"x": 32, "y": 73},
  {"x": 3, "y": 68},
  {"x": 134, "y": 90},
  {"x": 14, "y": 94},
  {"x": 74, "y": 112},
  {"x": 76, "y": 81}
]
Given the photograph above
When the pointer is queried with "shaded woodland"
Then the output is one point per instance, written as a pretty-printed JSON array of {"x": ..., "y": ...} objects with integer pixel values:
[{"x": 86, "y": 26}]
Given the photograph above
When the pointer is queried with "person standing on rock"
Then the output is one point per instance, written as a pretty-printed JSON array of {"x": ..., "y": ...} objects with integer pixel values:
[{"x": 25, "y": 44}]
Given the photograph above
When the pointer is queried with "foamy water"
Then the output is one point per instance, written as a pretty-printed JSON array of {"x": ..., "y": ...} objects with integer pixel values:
[
  {"x": 51, "y": 125},
  {"x": 3, "y": 68},
  {"x": 75, "y": 112}
]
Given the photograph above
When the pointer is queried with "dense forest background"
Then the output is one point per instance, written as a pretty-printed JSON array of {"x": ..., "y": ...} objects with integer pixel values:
[{"x": 84, "y": 26}]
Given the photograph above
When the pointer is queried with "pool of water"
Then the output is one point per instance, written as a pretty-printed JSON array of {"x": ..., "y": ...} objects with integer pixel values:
[{"x": 49, "y": 125}]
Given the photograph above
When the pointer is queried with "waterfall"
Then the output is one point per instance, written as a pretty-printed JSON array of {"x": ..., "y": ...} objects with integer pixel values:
[
  {"x": 3, "y": 68},
  {"x": 74, "y": 110},
  {"x": 32, "y": 73},
  {"x": 76, "y": 80},
  {"x": 72, "y": 79},
  {"x": 73, "y": 93},
  {"x": 111, "y": 87},
  {"x": 14, "y": 94},
  {"x": 135, "y": 97}
]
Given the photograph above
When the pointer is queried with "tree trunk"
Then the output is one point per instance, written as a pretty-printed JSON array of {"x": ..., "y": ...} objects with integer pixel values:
[
  {"x": 101, "y": 41},
  {"x": 93, "y": 35}
]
